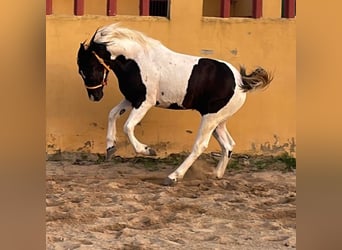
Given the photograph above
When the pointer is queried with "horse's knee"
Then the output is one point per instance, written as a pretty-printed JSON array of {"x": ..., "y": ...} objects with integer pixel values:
[
  {"x": 128, "y": 128},
  {"x": 111, "y": 114}
]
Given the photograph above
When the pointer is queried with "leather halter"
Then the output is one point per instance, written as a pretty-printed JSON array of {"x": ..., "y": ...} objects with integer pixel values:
[
  {"x": 101, "y": 61},
  {"x": 103, "y": 83}
]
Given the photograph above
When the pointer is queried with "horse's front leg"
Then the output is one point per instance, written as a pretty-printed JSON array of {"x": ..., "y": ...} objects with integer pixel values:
[
  {"x": 114, "y": 114},
  {"x": 136, "y": 115}
]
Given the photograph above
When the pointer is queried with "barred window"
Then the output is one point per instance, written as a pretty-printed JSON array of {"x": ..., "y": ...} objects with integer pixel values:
[
  {"x": 233, "y": 8},
  {"x": 109, "y": 7},
  {"x": 159, "y": 8}
]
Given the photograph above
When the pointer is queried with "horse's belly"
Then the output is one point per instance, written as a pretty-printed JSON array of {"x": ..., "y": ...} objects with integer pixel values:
[
  {"x": 173, "y": 83},
  {"x": 170, "y": 98}
]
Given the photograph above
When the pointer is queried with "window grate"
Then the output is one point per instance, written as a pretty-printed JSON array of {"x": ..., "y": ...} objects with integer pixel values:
[{"x": 159, "y": 8}]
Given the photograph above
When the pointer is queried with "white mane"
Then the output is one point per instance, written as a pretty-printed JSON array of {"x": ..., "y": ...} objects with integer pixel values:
[{"x": 123, "y": 40}]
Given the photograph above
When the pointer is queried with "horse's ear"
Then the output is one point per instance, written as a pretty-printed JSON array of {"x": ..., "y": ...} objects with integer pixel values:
[
  {"x": 93, "y": 37},
  {"x": 84, "y": 46}
]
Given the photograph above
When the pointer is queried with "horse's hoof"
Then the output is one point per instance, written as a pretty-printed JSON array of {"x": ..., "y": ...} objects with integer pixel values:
[
  {"x": 169, "y": 182},
  {"x": 110, "y": 152},
  {"x": 152, "y": 152}
]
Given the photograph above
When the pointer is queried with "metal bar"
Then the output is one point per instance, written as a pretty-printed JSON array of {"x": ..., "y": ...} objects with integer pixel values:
[
  {"x": 79, "y": 7},
  {"x": 48, "y": 7},
  {"x": 257, "y": 8},
  {"x": 144, "y": 8},
  {"x": 225, "y": 8},
  {"x": 290, "y": 8},
  {"x": 111, "y": 8}
]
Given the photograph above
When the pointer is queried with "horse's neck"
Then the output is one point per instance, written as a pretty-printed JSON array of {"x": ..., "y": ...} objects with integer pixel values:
[{"x": 144, "y": 55}]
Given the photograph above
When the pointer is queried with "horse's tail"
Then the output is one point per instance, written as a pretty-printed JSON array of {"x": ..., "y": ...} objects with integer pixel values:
[{"x": 258, "y": 79}]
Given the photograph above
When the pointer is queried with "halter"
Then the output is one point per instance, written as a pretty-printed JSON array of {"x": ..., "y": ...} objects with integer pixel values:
[{"x": 103, "y": 83}]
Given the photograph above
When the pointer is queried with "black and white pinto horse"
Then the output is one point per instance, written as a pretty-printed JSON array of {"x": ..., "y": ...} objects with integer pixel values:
[{"x": 151, "y": 75}]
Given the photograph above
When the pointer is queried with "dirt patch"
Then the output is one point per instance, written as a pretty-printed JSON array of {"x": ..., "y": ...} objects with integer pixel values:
[{"x": 121, "y": 205}]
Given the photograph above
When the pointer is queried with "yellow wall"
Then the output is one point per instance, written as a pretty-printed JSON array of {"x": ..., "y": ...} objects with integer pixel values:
[
  {"x": 128, "y": 7},
  {"x": 271, "y": 8},
  {"x": 267, "y": 119},
  {"x": 63, "y": 7},
  {"x": 97, "y": 7}
]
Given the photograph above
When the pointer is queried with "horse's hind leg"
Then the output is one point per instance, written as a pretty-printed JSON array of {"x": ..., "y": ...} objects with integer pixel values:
[
  {"x": 114, "y": 114},
  {"x": 208, "y": 124},
  {"x": 227, "y": 143},
  {"x": 134, "y": 118}
]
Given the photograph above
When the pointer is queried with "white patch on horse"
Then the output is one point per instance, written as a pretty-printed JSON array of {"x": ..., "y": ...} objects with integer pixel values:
[{"x": 114, "y": 114}]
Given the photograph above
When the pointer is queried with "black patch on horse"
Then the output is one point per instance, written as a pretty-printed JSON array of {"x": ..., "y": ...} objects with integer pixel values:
[
  {"x": 130, "y": 82},
  {"x": 210, "y": 86}
]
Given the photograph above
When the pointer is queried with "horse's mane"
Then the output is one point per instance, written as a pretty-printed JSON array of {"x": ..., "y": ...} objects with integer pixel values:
[{"x": 113, "y": 33}]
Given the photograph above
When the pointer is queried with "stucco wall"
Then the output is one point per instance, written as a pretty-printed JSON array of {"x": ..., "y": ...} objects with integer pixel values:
[{"x": 266, "y": 122}]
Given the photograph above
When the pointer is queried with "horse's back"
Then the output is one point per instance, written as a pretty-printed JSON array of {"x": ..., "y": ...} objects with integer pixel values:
[{"x": 174, "y": 75}]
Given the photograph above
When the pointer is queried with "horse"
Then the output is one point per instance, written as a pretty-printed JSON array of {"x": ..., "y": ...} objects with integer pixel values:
[{"x": 151, "y": 75}]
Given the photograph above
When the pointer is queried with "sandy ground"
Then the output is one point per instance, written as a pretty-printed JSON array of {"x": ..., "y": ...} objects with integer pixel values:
[{"x": 121, "y": 205}]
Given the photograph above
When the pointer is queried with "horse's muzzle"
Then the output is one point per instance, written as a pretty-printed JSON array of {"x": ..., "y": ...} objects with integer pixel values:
[{"x": 95, "y": 97}]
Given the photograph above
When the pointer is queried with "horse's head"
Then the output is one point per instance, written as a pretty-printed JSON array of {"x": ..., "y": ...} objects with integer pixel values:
[{"x": 93, "y": 69}]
